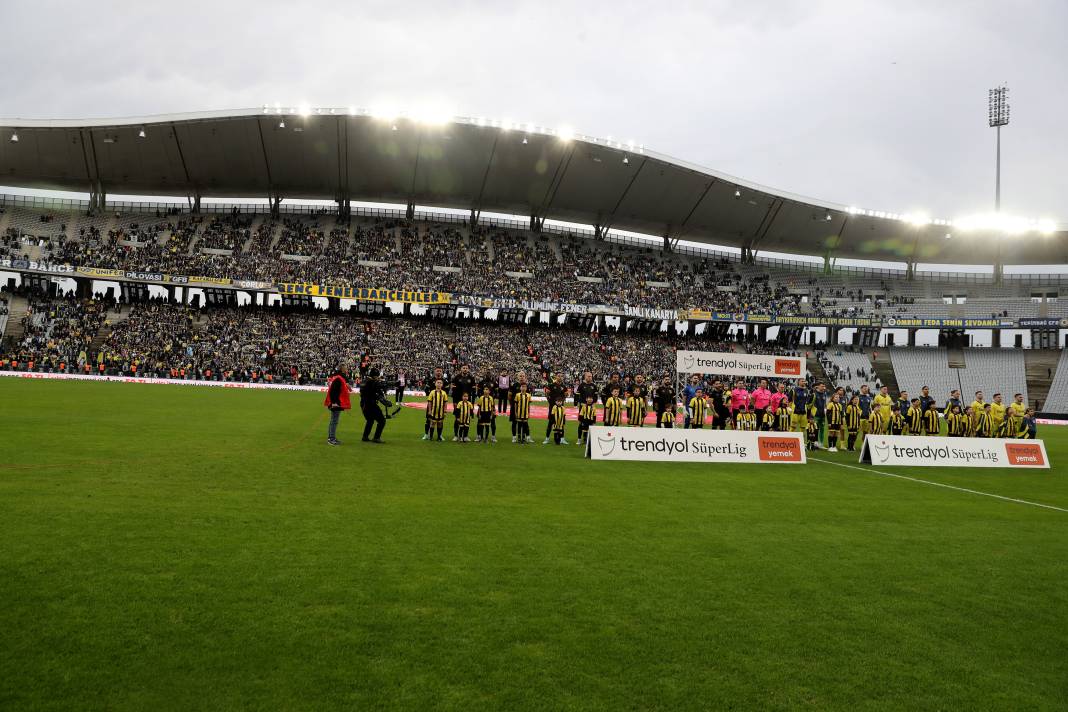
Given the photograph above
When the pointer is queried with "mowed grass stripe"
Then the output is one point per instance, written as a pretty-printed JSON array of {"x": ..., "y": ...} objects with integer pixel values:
[{"x": 206, "y": 565}]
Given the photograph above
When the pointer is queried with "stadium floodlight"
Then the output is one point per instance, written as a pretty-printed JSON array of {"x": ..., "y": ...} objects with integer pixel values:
[
  {"x": 303, "y": 110},
  {"x": 998, "y": 116},
  {"x": 625, "y": 159},
  {"x": 524, "y": 140},
  {"x": 828, "y": 218},
  {"x": 141, "y": 133},
  {"x": 393, "y": 127},
  {"x": 265, "y": 109},
  {"x": 916, "y": 219},
  {"x": 352, "y": 111},
  {"x": 566, "y": 133},
  {"x": 949, "y": 235},
  {"x": 737, "y": 193},
  {"x": 1047, "y": 227},
  {"x": 14, "y": 137},
  {"x": 282, "y": 124}
]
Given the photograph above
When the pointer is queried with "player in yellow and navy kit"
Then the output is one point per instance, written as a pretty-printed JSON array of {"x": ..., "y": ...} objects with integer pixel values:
[
  {"x": 461, "y": 412},
  {"x": 487, "y": 416},
  {"x": 697, "y": 406},
  {"x": 521, "y": 409},
  {"x": 853, "y": 417},
  {"x": 436, "y": 403},
  {"x": 613, "y": 409},
  {"x": 558, "y": 421},
  {"x": 587, "y": 416},
  {"x": 834, "y": 414}
]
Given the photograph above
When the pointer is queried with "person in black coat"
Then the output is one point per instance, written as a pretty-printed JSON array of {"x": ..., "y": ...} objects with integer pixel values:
[{"x": 372, "y": 394}]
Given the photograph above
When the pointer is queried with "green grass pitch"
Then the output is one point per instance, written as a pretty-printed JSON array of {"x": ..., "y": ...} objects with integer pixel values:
[{"x": 199, "y": 549}]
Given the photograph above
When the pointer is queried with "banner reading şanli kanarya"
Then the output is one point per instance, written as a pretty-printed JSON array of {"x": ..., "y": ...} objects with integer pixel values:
[
  {"x": 367, "y": 294},
  {"x": 746, "y": 365},
  {"x": 679, "y": 445},
  {"x": 914, "y": 451}
]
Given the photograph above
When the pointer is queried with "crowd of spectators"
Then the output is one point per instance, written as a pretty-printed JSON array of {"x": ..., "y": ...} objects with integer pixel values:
[
  {"x": 162, "y": 339},
  {"x": 565, "y": 269}
]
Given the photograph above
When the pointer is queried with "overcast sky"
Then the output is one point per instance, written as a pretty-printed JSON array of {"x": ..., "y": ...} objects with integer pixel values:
[{"x": 876, "y": 104}]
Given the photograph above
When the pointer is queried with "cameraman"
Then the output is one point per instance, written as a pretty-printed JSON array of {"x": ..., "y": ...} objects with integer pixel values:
[{"x": 372, "y": 394}]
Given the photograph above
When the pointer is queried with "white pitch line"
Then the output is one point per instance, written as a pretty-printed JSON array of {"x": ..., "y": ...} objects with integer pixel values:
[{"x": 939, "y": 484}]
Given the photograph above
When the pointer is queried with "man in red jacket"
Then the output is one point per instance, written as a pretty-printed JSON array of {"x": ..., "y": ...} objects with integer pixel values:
[{"x": 337, "y": 400}]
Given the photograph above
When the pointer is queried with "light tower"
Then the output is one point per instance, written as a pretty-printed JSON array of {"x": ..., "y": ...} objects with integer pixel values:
[{"x": 999, "y": 116}]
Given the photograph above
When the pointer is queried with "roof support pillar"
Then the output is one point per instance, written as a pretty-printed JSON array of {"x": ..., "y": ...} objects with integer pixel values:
[
  {"x": 194, "y": 203},
  {"x": 999, "y": 272},
  {"x": 910, "y": 271},
  {"x": 276, "y": 204},
  {"x": 344, "y": 208},
  {"x": 536, "y": 223},
  {"x": 97, "y": 198},
  {"x": 475, "y": 215},
  {"x": 409, "y": 211}
]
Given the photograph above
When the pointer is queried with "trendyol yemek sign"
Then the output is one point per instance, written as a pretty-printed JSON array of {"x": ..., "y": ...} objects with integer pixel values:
[
  {"x": 748, "y": 365},
  {"x": 913, "y": 451},
  {"x": 678, "y": 445}
]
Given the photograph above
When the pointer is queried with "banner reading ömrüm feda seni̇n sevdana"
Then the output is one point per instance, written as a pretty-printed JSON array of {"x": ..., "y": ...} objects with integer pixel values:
[
  {"x": 745, "y": 365},
  {"x": 917, "y": 451},
  {"x": 680, "y": 445}
]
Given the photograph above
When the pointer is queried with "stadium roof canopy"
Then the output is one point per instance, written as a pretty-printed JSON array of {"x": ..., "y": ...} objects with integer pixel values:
[{"x": 481, "y": 165}]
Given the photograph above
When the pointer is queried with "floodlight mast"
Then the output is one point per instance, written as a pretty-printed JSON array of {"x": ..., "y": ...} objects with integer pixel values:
[{"x": 998, "y": 116}]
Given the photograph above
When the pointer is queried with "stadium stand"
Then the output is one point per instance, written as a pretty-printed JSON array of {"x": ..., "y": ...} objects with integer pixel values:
[
  {"x": 1002, "y": 367},
  {"x": 848, "y": 369},
  {"x": 916, "y": 368},
  {"x": 1057, "y": 400}
]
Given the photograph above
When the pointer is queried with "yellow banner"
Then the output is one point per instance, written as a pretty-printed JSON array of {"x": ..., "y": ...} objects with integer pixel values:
[
  {"x": 367, "y": 294},
  {"x": 100, "y": 272},
  {"x": 211, "y": 280}
]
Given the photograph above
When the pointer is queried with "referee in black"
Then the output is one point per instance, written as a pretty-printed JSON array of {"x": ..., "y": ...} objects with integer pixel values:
[{"x": 372, "y": 393}]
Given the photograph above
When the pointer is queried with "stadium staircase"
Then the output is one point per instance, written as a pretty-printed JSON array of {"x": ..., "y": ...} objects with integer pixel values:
[
  {"x": 816, "y": 370},
  {"x": 884, "y": 369},
  {"x": 256, "y": 223},
  {"x": 113, "y": 317},
  {"x": 1040, "y": 367},
  {"x": 16, "y": 312},
  {"x": 955, "y": 356}
]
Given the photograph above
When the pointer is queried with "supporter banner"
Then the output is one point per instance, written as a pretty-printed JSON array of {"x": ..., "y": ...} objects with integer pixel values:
[
  {"x": 649, "y": 312},
  {"x": 769, "y": 320},
  {"x": 145, "y": 276},
  {"x": 222, "y": 281},
  {"x": 679, "y": 445},
  {"x": 368, "y": 294},
  {"x": 728, "y": 364},
  {"x": 913, "y": 451},
  {"x": 913, "y": 322},
  {"x": 1043, "y": 323},
  {"x": 100, "y": 272},
  {"x": 36, "y": 266},
  {"x": 252, "y": 284}
]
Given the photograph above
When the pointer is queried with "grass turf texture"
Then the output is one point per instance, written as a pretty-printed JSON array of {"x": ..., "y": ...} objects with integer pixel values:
[{"x": 188, "y": 548}]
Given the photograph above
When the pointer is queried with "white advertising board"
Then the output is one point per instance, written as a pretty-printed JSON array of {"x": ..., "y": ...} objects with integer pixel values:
[
  {"x": 745, "y": 365},
  {"x": 680, "y": 445},
  {"x": 918, "y": 451}
]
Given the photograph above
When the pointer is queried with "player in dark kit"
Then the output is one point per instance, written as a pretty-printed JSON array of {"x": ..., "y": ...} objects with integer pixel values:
[
  {"x": 586, "y": 388},
  {"x": 664, "y": 402}
]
